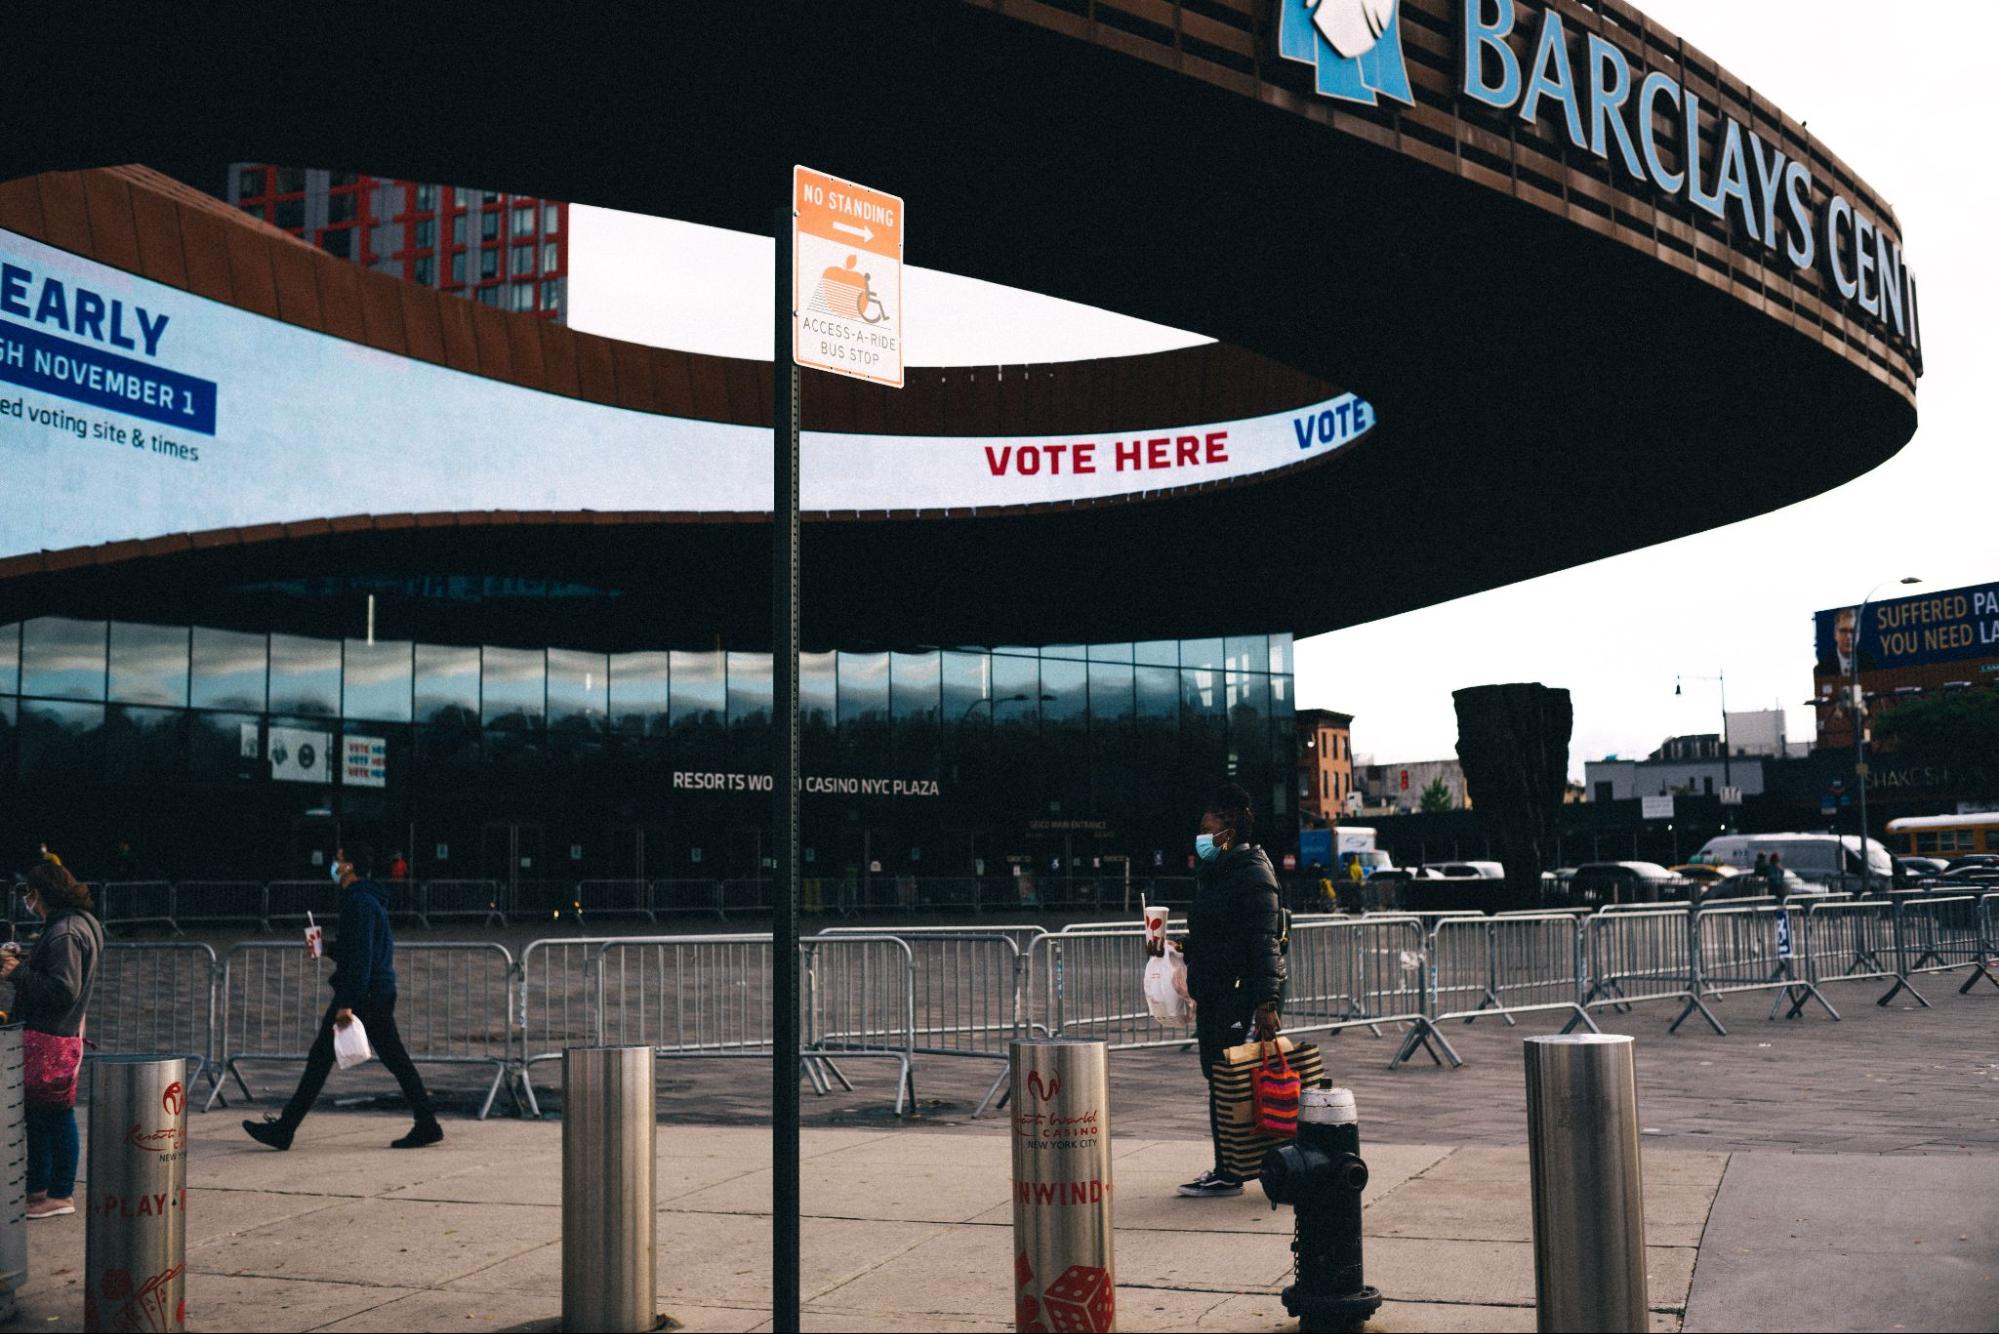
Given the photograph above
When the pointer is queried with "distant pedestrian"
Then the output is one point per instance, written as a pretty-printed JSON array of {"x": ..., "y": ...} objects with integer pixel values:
[
  {"x": 52, "y": 987},
  {"x": 398, "y": 868},
  {"x": 364, "y": 988},
  {"x": 1762, "y": 866},
  {"x": 1774, "y": 873},
  {"x": 1235, "y": 964}
]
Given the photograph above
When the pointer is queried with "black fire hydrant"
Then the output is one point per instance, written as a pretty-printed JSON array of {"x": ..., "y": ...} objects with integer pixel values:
[{"x": 1321, "y": 1177}]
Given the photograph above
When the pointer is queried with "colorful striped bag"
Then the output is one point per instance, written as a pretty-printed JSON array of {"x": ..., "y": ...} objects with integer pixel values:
[
  {"x": 1243, "y": 1142},
  {"x": 1273, "y": 1093}
]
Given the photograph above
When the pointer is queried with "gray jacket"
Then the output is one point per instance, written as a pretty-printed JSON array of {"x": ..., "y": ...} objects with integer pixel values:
[{"x": 52, "y": 986}]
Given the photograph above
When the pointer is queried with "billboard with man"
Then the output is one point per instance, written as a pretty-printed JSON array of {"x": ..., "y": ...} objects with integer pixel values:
[{"x": 1925, "y": 642}]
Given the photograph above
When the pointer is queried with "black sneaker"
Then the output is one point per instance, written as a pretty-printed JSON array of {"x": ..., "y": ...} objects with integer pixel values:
[
  {"x": 422, "y": 1135},
  {"x": 1210, "y": 1185},
  {"x": 273, "y": 1134}
]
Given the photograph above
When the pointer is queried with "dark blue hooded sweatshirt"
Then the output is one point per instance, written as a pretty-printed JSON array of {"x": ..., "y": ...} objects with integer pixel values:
[{"x": 365, "y": 949}]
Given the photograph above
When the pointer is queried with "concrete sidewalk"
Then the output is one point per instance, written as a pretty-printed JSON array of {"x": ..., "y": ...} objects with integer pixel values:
[{"x": 912, "y": 1231}]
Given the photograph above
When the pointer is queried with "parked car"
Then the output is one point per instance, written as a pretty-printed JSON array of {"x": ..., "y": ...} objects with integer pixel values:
[
  {"x": 1919, "y": 868},
  {"x": 1600, "y": 883},
  {"x": 1756, "y": 884},
  {"x": 1970, "y": 860},
  {"x": 1702, "y": 873},
  {"x": 1462, "y": 871}
]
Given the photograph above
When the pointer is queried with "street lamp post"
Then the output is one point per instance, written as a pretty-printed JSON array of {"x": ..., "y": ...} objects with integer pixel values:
[
  {"x": 1857, "y": 712},
  {"x": 1720, "y": 678},
  {"x": 1727, "y": 774}
]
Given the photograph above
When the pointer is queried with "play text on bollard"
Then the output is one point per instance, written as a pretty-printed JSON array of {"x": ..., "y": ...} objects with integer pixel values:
[
  {"x": 135, "y": 1204},
  {"x": 1064, "y": 1279}
]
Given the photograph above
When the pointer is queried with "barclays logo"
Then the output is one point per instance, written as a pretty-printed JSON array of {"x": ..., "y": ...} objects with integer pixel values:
[{"x": 1355, "y": 45}]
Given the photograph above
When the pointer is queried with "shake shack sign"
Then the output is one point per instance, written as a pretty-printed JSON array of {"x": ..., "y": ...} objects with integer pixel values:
[{"x": 706, "y": 780}]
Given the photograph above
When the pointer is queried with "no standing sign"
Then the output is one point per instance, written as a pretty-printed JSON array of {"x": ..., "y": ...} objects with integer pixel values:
[{"x": 846, "y": 278}]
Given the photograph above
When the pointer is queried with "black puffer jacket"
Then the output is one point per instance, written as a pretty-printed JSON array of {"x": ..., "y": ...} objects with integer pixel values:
[{"x": 1232, "y": 929}]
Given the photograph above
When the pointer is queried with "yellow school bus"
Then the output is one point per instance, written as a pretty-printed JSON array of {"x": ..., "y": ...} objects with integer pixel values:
[{"x": 1944, "y": 835}]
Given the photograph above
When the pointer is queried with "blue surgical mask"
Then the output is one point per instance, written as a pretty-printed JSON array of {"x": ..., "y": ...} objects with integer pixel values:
[
  {"x": 333, "y": 872},
  {"x": 1204, "y": 847}
]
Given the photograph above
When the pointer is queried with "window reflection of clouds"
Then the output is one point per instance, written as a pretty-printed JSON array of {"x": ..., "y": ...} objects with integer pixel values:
[
  {"x": 375, "y": 680},
  {"x": 1226, "y": 712},
  {"x": 305, "y": 676},
  {"x": 62, "y": 658},
  {"x": 638, "y": 692},
  {"x": 149, "y": 664},
  {"x": 447, "y": 683},
  {"x": 228, "y": 670}
]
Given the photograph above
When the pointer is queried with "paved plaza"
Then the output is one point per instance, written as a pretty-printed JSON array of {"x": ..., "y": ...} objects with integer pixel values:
[{"x": 1802, "y": 1175}]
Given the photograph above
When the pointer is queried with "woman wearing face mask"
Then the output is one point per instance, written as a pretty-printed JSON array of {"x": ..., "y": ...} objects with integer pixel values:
[
  {"x": 1235, "y": 968},
  {"x": 52, "y": 987}
]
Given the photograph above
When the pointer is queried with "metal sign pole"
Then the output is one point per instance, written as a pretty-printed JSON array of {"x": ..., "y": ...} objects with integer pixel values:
[{"x": 784, "y": 810}]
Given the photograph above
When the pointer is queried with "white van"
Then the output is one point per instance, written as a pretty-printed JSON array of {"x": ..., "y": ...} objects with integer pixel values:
[{"x": 1820, "y": 858}]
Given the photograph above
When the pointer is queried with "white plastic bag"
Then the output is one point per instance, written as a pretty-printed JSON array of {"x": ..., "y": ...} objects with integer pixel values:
[
  {"x": 350, "y": 1044},
  {"x": 1166, "y": 987}
]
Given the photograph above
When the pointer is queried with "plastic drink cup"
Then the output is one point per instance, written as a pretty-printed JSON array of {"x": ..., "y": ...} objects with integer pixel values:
[
  {"x": 1155, "y": 922},
  {"x": 315, "y": 944}
]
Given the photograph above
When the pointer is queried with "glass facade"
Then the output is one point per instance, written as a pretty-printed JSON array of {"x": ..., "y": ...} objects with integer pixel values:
[{"x": 928, "y": 761}]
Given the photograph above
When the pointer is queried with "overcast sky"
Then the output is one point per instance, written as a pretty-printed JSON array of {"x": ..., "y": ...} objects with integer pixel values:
[{"x": 1889, "y": 98}]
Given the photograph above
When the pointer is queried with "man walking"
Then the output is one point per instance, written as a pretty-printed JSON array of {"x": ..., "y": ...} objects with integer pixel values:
[{"x": 364, "y": 988}]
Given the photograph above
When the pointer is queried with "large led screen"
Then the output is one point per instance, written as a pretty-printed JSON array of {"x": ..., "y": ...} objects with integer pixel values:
[{"x": 132, "y": 409}]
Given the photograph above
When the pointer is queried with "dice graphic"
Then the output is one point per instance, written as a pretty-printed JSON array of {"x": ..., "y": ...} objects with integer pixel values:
[{"x": 1081, "y": 1301}]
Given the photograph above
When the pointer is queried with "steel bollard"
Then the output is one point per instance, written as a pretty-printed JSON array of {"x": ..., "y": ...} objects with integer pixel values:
[
  {"x": 13, "y": 1171},
  {"x": 1589, "y": 1199},
  {"x": 1321, "y": 1177},
  {"x": 610, "y": 1189},
  {"x": 135, "y": 1204},
  {"x": 1064, "y": 1276}
]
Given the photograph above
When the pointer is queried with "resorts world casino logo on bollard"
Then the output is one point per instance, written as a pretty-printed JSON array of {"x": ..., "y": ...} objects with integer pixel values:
[{"x": 1355, "y": 45}]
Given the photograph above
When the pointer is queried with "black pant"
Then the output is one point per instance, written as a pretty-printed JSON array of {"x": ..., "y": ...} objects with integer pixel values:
[
  {"x": 1219, "y": 1024},
  {"x": 378, "y": 1014}
]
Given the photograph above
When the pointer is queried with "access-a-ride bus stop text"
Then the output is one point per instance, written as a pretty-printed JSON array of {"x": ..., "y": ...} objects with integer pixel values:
[{"x": 846, "y": 283}]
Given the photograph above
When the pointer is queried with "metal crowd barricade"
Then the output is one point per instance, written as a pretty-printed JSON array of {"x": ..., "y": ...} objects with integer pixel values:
[
  {"x": 453, "y": 1006},
  {"x": 136, "y": 903},
  {"x": 157, "y": 997},
  {"x": 1506, "y": 966},
  {"x": 710, "y": 996},
  {"x": 1022, "y": 934},
  {"x": 1362, "y": 972},
  {"x": 1757, "y": 947},
  {"x": 220, "y": 901},
  {"x": 291, "y": 900},
  {"x": 1390, "y": 981},
  {"x": 968, "y": 996},
  {"x": 556, "y": 1005},
  {"x": 1639, "y": 956},
  {"x": 612, "y": 898},
  {"x": 860, "y": 1001},
  {"x": 1849, "y": 941},
  {"x": 687, "y": 896},
  {"x": 1943, "y": 934},
  {"x": 746, "y": 894},
  {"x": 1089, "y": 984},
  {"x": 445, "y": 900}
]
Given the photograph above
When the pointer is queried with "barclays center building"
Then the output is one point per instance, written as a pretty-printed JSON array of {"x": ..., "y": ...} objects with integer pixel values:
[{"x": 294, "y": 552}]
